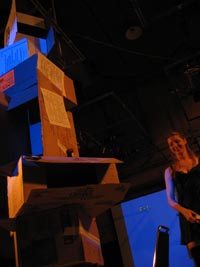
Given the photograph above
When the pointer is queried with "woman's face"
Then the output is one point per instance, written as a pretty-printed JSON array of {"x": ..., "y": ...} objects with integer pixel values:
[{"x": 177, "y": 144}]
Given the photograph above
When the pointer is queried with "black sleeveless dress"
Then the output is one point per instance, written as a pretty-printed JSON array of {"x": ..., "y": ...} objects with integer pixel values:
[{"x": 188, "y": 192}]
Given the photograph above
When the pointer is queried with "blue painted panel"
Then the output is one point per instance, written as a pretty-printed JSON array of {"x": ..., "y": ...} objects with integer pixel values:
[
  {"x": 12, "y": 55},
  {"x": 36, "y": 139},
  {"x": 142, "y": 217}
]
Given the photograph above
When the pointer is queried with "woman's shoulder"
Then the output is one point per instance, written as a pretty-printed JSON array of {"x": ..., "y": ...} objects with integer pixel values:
[{"x": 169, "y": 170}]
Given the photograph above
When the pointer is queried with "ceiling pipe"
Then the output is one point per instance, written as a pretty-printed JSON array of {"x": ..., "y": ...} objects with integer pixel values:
[
  {"x": 174, "y": 9},
  {"x": 59, "y": 31},
  {"x": 138, "y": 12}
]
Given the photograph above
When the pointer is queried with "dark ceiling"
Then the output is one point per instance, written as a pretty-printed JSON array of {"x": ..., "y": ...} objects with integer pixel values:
[{"x": 135, "y": 67}]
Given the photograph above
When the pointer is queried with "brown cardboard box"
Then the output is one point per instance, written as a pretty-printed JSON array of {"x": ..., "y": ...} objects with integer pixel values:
[
  {"x": 55, "y": 237},
  {"x": 33, "y": 43},
  {"x": 42, "y": 190},
  {"x": 57, "y": 224},
  {"x": 72, "y": 171},
  {"x": 58, "y": 129},
  {"x": 33, "y": 70},
  {"x": 46, "y": 94}
]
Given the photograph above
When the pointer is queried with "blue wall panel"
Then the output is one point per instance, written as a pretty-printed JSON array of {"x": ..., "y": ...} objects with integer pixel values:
[{"x": 142, "y": 217}]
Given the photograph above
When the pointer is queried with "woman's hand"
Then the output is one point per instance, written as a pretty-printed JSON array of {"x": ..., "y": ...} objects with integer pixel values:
[{"x": 191, "y": 216}]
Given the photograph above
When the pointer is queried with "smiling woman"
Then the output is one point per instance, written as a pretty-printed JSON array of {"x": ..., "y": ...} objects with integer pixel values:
[
  {"x": 184, "y": 157},
  {"x": 182, "y": 180}
]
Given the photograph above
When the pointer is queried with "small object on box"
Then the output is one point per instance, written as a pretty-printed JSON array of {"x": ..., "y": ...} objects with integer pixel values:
[
  {"x": 197, "y": 218},
  {"x": 70, "y": 152}
]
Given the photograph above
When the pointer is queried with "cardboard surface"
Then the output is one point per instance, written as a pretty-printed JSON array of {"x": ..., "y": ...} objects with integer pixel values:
[
  {"x": 46, "y": 238},
  {"x": 43, "y": 90},
  {"x": 48, "y": 160},
  {"x": 35, "y": 44},
  {"x": 93, "y": 199},
  {"x": 58, "y": 130},
  {"x": 72, "y": 171},
  {"x": 24, "y": 75},
  {"x": 25, "y": 196},
  {"x": 39, "y": 216}
]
